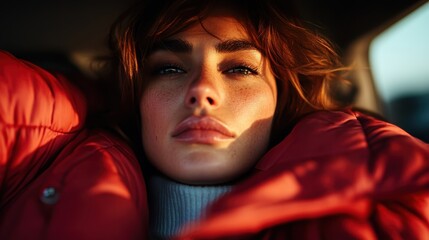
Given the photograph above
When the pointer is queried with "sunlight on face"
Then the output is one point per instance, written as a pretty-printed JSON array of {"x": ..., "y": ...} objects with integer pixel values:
[{"x": 207, "y": 111}]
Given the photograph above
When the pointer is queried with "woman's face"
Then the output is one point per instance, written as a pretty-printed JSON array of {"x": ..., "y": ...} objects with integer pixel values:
[{"x": 208, "y": 108}]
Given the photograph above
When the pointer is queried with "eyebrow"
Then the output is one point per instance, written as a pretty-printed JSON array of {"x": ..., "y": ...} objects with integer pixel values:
[
  {"x": 234, "y": 46},
  {"x": 182, "y": 46},
  {"x": 174, "y": 45}
]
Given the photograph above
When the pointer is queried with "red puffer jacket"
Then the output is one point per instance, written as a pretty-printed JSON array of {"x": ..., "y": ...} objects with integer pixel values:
[
  {"x": 337, "y": 175},
  {"x": 58, "y": 180}
]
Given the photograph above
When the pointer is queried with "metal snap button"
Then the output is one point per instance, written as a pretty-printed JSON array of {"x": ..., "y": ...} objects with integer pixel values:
[{"x": 50, "y": 195}]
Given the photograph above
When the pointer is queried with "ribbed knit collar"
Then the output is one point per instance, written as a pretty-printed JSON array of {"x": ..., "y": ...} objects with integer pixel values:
[{"x": 173, "y": 204}]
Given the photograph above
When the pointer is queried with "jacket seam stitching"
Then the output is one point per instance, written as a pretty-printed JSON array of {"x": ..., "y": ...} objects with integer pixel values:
[{"x": 40, "y": 126}]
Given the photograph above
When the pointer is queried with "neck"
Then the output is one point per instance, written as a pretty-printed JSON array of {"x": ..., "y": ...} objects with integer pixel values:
[{"x": 174, "y": 204}]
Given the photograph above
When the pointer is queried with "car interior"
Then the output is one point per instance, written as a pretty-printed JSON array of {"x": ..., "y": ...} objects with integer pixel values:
[{"x": 385, "y": 42}]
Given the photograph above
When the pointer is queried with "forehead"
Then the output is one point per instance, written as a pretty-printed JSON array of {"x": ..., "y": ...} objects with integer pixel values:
[
  {"x": 219, "y": 27},
  {"x": 226, "y": 34}
]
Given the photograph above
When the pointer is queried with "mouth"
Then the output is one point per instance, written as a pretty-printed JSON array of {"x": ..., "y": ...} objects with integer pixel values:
[{"x": 205, "y": 130}]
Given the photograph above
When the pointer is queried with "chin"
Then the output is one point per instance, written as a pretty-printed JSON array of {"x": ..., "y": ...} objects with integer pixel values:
[
  {"x": 203, "y": 166},
  {"x": 208, "y": 173}
]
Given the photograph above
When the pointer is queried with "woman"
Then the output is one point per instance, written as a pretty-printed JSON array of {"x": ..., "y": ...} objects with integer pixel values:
[
  {"x": 240, "y": 136},
  {"x": 237, "y": 97}
]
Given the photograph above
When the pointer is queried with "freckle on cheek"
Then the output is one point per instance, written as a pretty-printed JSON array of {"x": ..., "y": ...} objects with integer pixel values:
[{"x": 166, "y": 96}]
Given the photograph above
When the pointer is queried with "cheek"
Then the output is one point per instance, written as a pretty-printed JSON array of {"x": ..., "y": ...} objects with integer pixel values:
[
  {"x": 158, "y": 94},
  {"x": 254, "y": 103},
  {"x": 154, "y": 109},
  {"x": 156, "y": 98},
  {"x": 253, "y": 113}
]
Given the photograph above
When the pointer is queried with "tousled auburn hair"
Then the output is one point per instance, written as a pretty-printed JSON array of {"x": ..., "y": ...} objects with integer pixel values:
[{"x": 305, "y": 64}]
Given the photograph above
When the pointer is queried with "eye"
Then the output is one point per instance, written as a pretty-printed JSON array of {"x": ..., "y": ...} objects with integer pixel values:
[
  {"x": 169, "y": 69},
  {"x": 243, "y": 70}
]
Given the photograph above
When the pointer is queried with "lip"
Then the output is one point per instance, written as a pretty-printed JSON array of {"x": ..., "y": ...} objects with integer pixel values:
[{"x": 202, "y": 130}]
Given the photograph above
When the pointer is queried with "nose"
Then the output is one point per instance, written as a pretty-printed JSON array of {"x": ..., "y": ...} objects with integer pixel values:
[{"x": 203, "y": 92}]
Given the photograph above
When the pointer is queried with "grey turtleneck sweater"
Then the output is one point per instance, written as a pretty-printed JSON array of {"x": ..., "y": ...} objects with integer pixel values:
[{"x": 172, "y": 205}]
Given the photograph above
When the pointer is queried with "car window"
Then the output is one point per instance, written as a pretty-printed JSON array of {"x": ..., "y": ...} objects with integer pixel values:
[{"x": 398, "y": 59}]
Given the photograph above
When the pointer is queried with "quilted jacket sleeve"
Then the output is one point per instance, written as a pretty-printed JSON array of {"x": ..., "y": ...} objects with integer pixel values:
[
  {"x": 336, "y": 176},
  {"x": 59, "y": 180},
  {"x": 400, "y": 171},
  {"x": 39, "y": 114}
]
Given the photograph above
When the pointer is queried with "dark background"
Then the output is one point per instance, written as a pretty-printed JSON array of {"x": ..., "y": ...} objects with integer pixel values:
[{"x": 62, "y": 26}]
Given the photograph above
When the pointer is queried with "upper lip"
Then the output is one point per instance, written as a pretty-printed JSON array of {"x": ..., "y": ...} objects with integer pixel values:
[{"x": 202, "y": 123}]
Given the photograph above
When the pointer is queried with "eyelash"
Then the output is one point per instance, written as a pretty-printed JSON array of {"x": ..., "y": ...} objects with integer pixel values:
[
  {"x": 171, "y": 68},
  {"x": 244, "y": 69},
  {"x": 168, "y": 69}
]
